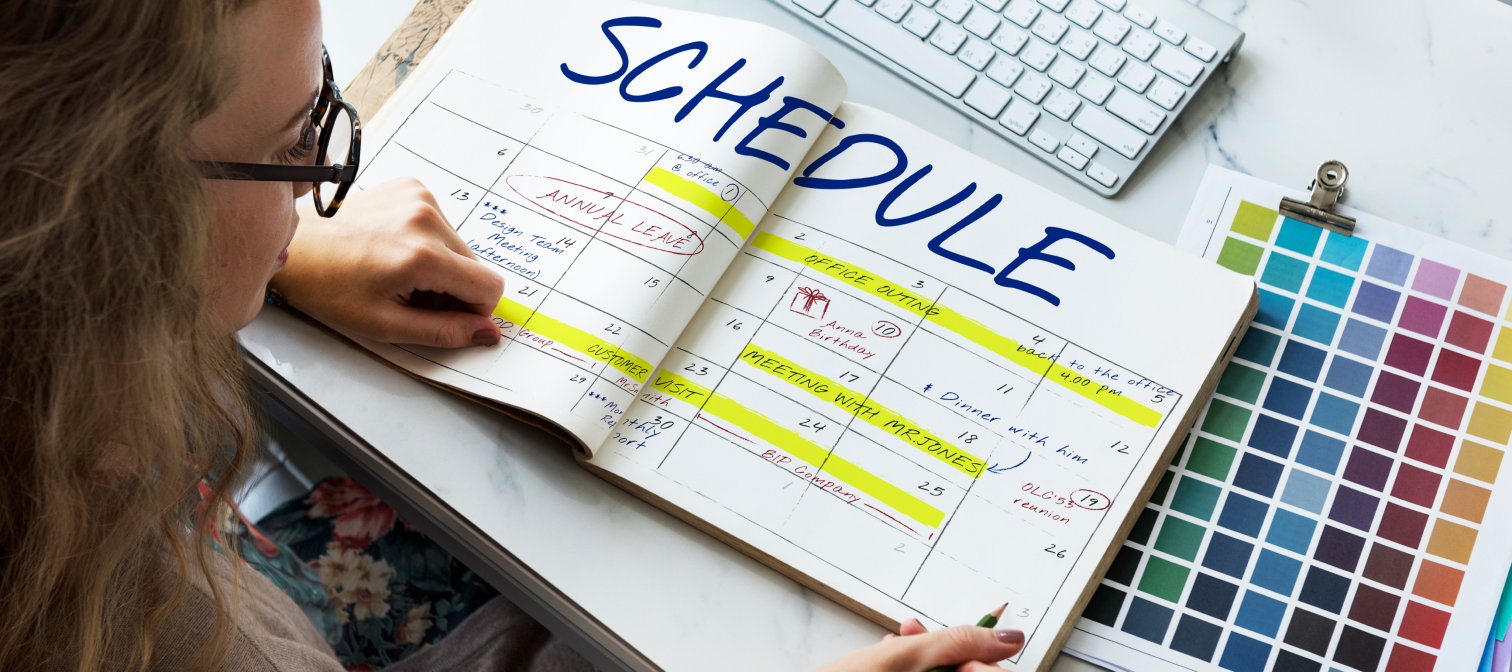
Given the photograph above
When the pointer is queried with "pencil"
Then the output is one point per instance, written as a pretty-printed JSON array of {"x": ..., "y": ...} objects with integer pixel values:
[{"x": 987, "y": 621}]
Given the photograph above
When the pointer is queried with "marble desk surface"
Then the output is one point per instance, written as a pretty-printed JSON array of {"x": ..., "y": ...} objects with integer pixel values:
[{"x": 1414, "y": 96}]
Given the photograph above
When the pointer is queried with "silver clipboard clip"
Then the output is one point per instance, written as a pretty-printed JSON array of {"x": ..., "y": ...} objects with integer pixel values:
[{"x": 1318, "y": 211}]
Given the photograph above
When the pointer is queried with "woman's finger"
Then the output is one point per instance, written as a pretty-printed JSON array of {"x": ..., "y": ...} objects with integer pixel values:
[
  {"x": 435, "y": 328},
  {"x": 912, "y": 626},
  {"x": 963, "y": 643},
  {"x": 445, "y": 272}
]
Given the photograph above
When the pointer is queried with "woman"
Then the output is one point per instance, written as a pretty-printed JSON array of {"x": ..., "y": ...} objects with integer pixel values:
[{"x": 124, "y": 273}]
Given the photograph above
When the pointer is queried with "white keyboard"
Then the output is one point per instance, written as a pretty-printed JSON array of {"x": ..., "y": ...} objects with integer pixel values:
[{"x": 1088, "y": 86}]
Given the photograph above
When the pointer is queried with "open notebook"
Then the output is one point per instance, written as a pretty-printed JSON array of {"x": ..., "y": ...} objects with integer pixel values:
[{"x": 907, "y": 378}]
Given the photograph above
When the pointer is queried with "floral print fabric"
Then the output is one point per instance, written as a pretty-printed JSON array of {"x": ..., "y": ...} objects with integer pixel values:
[{"x": 377, "y": 589}]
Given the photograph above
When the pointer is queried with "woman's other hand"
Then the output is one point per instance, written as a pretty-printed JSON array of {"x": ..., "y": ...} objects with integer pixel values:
[
  {"x": 389, "y": 266},
  {"x": 969, "y": 648}
]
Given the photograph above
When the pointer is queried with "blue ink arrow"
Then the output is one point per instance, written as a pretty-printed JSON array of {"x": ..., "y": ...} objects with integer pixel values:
[{"x": 995, "y": 469}]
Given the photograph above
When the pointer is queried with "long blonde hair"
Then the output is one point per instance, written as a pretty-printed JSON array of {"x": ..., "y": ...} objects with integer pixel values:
[{"x": 107, "y": 359}]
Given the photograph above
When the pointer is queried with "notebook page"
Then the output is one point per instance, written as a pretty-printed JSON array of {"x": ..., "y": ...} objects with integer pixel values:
[
  {"x": 909, "y": 419},
  {"x": 608, "y": 159},
  {"x": 1338, "y": 505}
]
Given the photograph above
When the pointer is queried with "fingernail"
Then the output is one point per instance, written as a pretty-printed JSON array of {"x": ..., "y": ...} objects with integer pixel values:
[
  {"x": 1011, "y": 637},
  {"x": 485, "y": 337}
]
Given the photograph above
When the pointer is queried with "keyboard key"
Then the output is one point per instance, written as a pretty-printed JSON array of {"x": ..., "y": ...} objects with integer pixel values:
[
  {"x": 1044, "y": 140},
  {"x": 1201, "y": 50},
  {"x": 948, "y": 38},
  {"x": 1135, "y": 110},
  {"x": 1050, "y": 27},
  {"x": 1022, "y": 12},
  {"x": 1179, "y": 66},
  {"x": 1115, "y": 5},
  {"x": 1108, "y": 60},
  {"x": 815, "y": 7},
  {"x": 916, "y": 57},
  {"x": 987, "y": 98},
  {"x": 1095, "y": 89},
  {"x": 1084, "y": 13},
  {"x": 1166, "y": 93},
  {"x": 1062, "y": 104},
  {"x": 1055, "y": 5},
  {"x": 1111, "y": 28},
  {"x": 1071, "y": 157},
  {"x": 1038, "y": 55},
  {"x": 1142, "y": 17},
  {"x": 1068, "y": 73},
  {"x": 1032, "y": 87},
  {"x": 994, "y": 5},
  {"x": 1141, "y": 44},
  {"x": 927, "y": 3},
  {"x": 1170, "y": 32},
  {"x": 893, "y": 10},
  {"x": 1020, "y": 116},
  {"x": 953, "y": 10},
  {"x": 1083, "y": 145},
  {"x": 1078, "y": 44},
  {"x": 976, "y": 54},
  {"x": 981, "y": 24},
  {"x": 921, "y": 23},
  {"x": 1010, "y": 40},
  {"x": 868, "y": 3},
  {"x": 1137, "y": 77},
  {"x": 1109, "y": 131},
  {"x": 1102, "y": 174},
  {"x": 1005, "y": 71}
]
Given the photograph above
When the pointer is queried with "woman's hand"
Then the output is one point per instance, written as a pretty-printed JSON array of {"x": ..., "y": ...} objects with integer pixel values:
[
  {"x": 388, "y": 266},
  {"x": 970, "y": 649}
]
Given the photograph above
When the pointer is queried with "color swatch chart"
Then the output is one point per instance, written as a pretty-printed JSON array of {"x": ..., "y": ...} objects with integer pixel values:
[{"x": 1334, "y": 494}]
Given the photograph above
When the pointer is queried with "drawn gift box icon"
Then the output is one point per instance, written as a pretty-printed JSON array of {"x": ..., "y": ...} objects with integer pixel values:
[{"x": 810, "y": 302}]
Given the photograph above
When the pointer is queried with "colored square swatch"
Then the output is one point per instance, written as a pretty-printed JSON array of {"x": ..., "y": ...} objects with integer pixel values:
[
  {"x": 1468, "y": 332},
  {"x": 1374, "y": 607},
  {"x": 1260, "y": 613},
  {"x": 1429, "y": 446},
  {"x": 1255, "y": 221},
  {"x": 1227, "y": 555},
  {"x": 1436, "y": 279},
  {"x": 1298, "y": 237},
  {"x": 1466, "y": 501},
  {"x": 1320, "y": 451},
  {"x": 1503, "y": 349},
  {"x": 1324, "y": 589},
  {"x": 1362, "y": 339},
  {"x": 1442, "y": 407},
  {"x": 1334, "y": 413},
  {"x": 1456, "y": 370},
  {"x": 1409, "y": 354},
  {"x": 1196, "y": 499},
  {"x": 1310, "y": 632},
  {"x": 1482, "y": 294},
  {"x": 1395, "y": 392},
  {"x": 1305, "y": 491},
  {"x": 1339, "y": 548},
  {"x": 1490, "y": 423},
  {"x": 1144, "y": 526},
  {"x": 1348, "y": 376},
  {"x": 1291, "y": 531},
  {"x": 1423, "y": 317},
  {"x": 1330, "y": 287},
  {"x": 1243, "y": 515},
  {"x": 1302, "y": 360},
  {"x": 1416, "y": 485},
  {"x": 1284, "y": 272},
  {"x": 1451, "y": 541},
  {"x": 1437, "y": 582},
  {"x": 1407, "y": 659},
  {"x": 1241, "y": 382},
  {"x": 1104, "y": 606},
  {"x": 1316, "y": 324},
  {"x": 1226, "y": 420},
  {"x": 1257, "y": 474},
  {"x": 1376, "y": 302},
  {"x": 1211, "y": 458},
  {"x": 1344, "y": 251},
  {"x": 1258, "y": 346},
  {"x": 1275, "y": 572},
  {"x": 1354, "y": 508},
  {"x": 1424, "y": 624},
  {"x": 1271, "y": 435},
  {"x": 1148, "y": 620},
  {"x": 1402, "y": 525},
  {"x": 1359, "y": 649},
  {"x": 1387, "y": 566},
  {"x": 1239, "y": 256},
  {"x": 1382, "y": 430},
  {"x": 1275, "y": 310},
  {"x": 1388, "y": 264},
  {"x": 1125, "y": 565},
  {"x": 1163, "y": 579},
  {"x": 1478, "y": 462},
  {"x": 1212, "y": 596},
  {"x": 1196, "y": 638},
  {"x": 1368, "y": 468},
  {"x": 1498, "y": 384},
  {"x": 1243, "y": 654}
]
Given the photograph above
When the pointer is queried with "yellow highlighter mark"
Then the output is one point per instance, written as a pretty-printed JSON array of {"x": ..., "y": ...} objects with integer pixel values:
[
  {"x": 795, "y": 444},
  {"x": 865, "y": 409},
  {"x": 575, "y": 338},
  {"x": 701, "y": 198},
  {"x": 966, "y": 327}
]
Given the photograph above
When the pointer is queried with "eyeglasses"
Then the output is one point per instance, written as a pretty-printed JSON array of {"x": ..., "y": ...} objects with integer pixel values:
[{"x": 331, "y": 117}]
